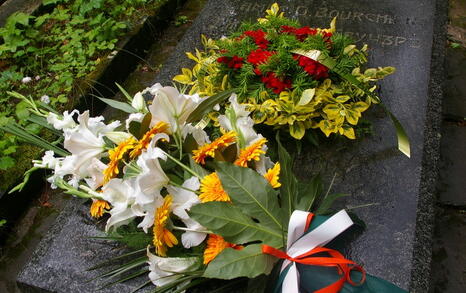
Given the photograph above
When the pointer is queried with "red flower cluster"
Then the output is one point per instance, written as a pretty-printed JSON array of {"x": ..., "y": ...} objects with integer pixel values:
[
  {"x": 234, "y": 62},
  {"x": 273, "y": 82},
  {"x": 300, "y": 33},
  {"x": 259, "y": 38},
  {"x": 259, "y": 56},
  {"x": 314, "y": 68}
]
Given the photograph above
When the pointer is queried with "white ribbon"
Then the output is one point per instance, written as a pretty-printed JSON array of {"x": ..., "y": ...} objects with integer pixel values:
[{"x": 297, "y": 245}]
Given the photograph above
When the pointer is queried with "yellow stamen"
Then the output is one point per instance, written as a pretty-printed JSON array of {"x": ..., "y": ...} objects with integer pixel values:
[
  {"x": 98, "y": 208},
  {"x": 215, "y": 245},
  {"x": 272, "y": 176},
  {"x": 115, "y": 155},
  {"x": 208, "y": 150},
  {"x": 212, "y": 190},
  {"x": 144, "y": 142},
  {"x": 162, "y": 236},
  {"x": 250, "y": 153}
]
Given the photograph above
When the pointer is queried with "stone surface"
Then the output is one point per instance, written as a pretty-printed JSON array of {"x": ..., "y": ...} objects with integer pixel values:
[
  {"x": 396, "y": 243},
  {"x": 61, "y": 261}
]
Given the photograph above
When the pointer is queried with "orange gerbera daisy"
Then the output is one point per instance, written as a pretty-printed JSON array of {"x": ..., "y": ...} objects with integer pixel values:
[
  {"x": 162, "y": 236},
  {"x": 272, "y": 176},
  {"x": 215, "y": 245},
  {"x": 252, "y": 152},
  {"x": 212, "y": 190},
  {"x": 208, "y": 150},
  {"x": 115, "y": 155},
  {"x": 147, "y": 137},
  {"x": 98, "y": 207}
]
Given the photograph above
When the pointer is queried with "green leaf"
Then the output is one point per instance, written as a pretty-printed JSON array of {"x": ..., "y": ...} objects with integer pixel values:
[
  {"x": 6, "y": 162},
  {"x": 206, "y": 106},
  {"x": 289, "y": 188},
  {"x": 124, "y": 92},
  {"x": 2, "y": 222},
  {"x": 249, "y": 262},
  {"x": 119, "y": 105},
  {"x": 327, "y": 202},
  {"x": 228, "y": 221},
  {"x": 308, "y": 193},
  {"x": 252, "y": 193}
]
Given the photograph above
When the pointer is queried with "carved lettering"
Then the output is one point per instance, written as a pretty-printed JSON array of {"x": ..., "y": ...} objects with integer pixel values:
[
  {"x": 322, "y": 12},
  {"x": 400, "y": 40},
  {"x": 333, "y": 13},
  {"x": 301, "y": 10}
]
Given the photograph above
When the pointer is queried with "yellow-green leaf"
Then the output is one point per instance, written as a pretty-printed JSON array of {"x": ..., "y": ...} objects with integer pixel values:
[{"x": 297, "y": 130}]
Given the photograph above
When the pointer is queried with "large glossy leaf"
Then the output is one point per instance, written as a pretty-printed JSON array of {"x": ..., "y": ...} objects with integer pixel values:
[
  {"x": 249, "y": 262},
  {"x": 252, "y": 193},
  {"x": 228, "y": 221},
  {"x": 206, "y": 106},
  {"x": 289, "y": 188}
]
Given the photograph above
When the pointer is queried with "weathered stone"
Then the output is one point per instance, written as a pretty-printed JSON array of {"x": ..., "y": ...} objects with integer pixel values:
[
  {"x": 64, "y": 256},
  {"x": 396, "y": 244}
]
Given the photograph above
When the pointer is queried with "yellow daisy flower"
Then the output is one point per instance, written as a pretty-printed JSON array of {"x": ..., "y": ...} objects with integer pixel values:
[
  {"x": 215, "y": 245},
  {"x": 212, "y": 190},
  {"x": 162, "y": 236},
  {"x": 115, "y": 155},
  {"x": 147, "y": 137},
  {"x": 272, "y": 176},
  {"x": 252, "y": 152},
  {"x": 208, "y": 150},
  {"x": 98, "y": 207}
]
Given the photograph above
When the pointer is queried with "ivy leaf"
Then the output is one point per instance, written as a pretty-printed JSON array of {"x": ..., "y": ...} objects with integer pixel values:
[
  {"x": 252, "y": 193},
  {"x": 249, "y": 262},
  {"x": 289, "y": 188},
  {"x": 228, "y": 221}
]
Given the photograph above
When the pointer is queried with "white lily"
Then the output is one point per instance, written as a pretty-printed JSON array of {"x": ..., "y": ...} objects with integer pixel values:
[
  {"x": 48, "y": 161},
  {"x": 95, "y": 177},
  {"x": 199, "y": 135},
  {"x": 184, "y": 197},
  {"x": 138, "y": 117},
  {"x": 152, "y": 177},
  {"x": 118, "y": 136},
  {"x": 62, "y": 122},
  {"x": 121, "y": 195},
  {"x": 172, "y": 107},
  {"x": 86, "y": 142},
  {"x": 164, "y": 270},
  {"x": 195, "y": 235},
  {"x": 237, "y": 118},
  {"x": 138, "y": 103}
]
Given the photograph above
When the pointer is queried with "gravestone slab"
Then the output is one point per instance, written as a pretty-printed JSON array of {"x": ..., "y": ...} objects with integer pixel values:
[{"x": 396, "y": 242}]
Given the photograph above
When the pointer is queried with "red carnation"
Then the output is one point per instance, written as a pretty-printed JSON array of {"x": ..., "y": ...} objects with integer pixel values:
[
  {"x": 259, "y": 56},
  {"x": 300, "y": 33},
  {"x": 273, "y": 82},
  {"x": 259, "y": 38},
  {"x": 234, "y": 62},
  {"x": 313, "y": 68}
]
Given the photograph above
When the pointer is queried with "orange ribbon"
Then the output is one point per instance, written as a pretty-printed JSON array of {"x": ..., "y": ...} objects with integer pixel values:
[{"x": 336, "y": 259}]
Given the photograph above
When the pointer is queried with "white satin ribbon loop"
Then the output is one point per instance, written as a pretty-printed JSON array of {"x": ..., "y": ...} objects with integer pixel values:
[{"x": 298, "y": 244}]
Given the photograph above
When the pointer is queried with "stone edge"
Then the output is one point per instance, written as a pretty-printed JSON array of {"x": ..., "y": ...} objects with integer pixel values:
[{"x": 422, "y": 252}]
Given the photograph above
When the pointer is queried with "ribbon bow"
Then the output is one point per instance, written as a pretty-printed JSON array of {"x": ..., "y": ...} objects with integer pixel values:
[{"x": 301, "y": 249}]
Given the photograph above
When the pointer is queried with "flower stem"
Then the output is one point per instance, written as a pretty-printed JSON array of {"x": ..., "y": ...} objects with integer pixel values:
[
  {"x": 191, "y": 230},
  {"x": 185, "y": 188},
  {"x": 184, "y": 166}
]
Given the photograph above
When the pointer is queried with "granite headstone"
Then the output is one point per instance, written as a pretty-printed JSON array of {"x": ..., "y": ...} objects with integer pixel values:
[{"x": 398, "y": 190}]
